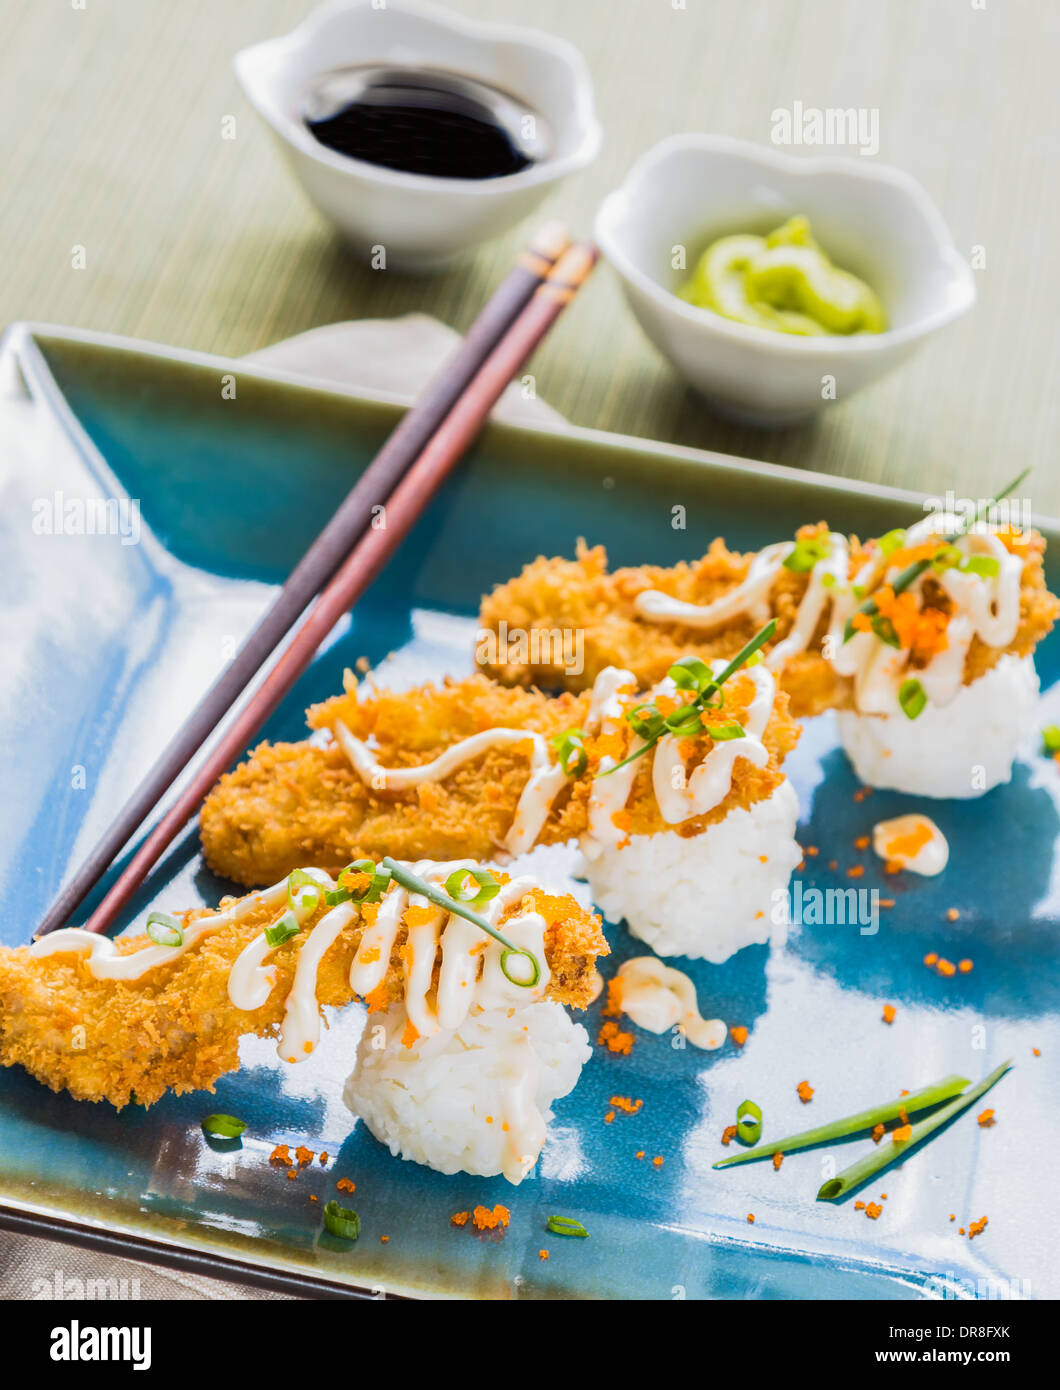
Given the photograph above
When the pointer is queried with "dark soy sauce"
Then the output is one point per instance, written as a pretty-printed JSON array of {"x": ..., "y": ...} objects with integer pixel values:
[{"x": 421, "y": 121}]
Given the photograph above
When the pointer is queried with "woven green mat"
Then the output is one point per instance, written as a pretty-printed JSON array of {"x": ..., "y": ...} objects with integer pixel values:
[{"x": 112, "y": 123}]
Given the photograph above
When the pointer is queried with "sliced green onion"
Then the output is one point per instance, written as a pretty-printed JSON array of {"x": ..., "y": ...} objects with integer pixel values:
[
  {"x": 478, "y": 892},
  {"x": 886, "y": 1154},
  {"x": 1051, "y": 739},
  {"x": 748, "y": 1122},
  {"x": 379, "y": 882},
  {"x": 912, "y": 697},
  {"x": 650, "y": 724},
  {"x": 570, "y": 750},
  {"x": 913, "y": 572},
  {"x": 306, "y": 903},
  {"x": 341, "y": 1221},
  {"x": 807, "y": 552},
  {"x": 690, "y": 673},
  {"x": 892, "y": 541},
  {"x": 535, "y": 968},
  {"x": 164, "y": 929},
  {"x": 884, "y": 630},
  {"x": 283, "y": 930},
  {"x": 945, "y": 558},
  {"x": 223, "y": 1126},
  {"x": 684, "y": 721},
  {"x": 566, "y": 1226},
  {"x": 986, "y": 566},
  {"x": 433, "y": 894},
  {"x": 721, "y": 733},
  {"x": 863, "y": 1121}
]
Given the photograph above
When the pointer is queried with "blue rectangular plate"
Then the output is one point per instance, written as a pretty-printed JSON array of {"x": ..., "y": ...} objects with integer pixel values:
[{"x": 110, "y": 644}]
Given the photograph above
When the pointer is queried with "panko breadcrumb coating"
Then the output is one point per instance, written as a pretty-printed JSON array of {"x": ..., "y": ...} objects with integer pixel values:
[
  {"x": 583, "y": 596},
  {"x": 175, "y": 1028},
  {"x": 296, "y": 803}
]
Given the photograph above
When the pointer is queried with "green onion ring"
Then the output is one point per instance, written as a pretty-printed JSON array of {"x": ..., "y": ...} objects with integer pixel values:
[
  {"x": 283, "y": 930},
  {"x": 566, "y": 1226},
  {"x": 748, "y": 1122},
  {"x": 341, "y": 1221},
  {"x": 486, "y": 886},
  {"x": 223, "y": 1126},
  {"x": 164, "y": 929},
  {"x": 307, "y": 903}
]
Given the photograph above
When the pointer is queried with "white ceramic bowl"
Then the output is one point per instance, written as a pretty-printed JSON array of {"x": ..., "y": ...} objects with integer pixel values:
[
  {"x": 422, "y": 222},
  {"x": 871, "y": 219}
]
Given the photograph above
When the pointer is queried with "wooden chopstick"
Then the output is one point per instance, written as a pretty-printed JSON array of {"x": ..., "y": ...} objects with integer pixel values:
[
  {"x": 441, "y": 454},
  {"x": 321, "y": 560}
]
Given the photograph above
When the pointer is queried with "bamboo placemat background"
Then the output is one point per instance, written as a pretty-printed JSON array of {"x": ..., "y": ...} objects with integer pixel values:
[{"x": 112, "y": 115}]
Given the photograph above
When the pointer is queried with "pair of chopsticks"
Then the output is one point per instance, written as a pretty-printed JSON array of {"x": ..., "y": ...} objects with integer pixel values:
[{"x": 342, "y": 562}]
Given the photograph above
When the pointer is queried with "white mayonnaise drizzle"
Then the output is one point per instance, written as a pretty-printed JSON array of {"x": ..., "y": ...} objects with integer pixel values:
[
  {"x": 913, "y": 842},
  {"x": 750, "y": 596},
  {"x": 463, "y": 948},
  {"x": 105, "y": 962},
  {"x": 984, "y": 606},
  {"x": 658, "y": 998}
]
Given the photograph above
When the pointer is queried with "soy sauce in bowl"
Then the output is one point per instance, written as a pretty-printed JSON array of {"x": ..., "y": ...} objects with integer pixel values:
[{"x": 424, "y": 121}]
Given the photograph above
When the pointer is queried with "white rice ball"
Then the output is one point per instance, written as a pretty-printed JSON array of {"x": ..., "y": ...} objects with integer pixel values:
[
  {"x": 473, "y": 1100},
  {"x": 709, "y": 895},
  {"x": 957, "y": 750}
]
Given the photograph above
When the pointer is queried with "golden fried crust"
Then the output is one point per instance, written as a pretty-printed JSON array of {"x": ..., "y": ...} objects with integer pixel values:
[
  {"x": 292, "y": 804},
  {"x": 176, "y": 1029},
  {"x": 582, "y": 595}
]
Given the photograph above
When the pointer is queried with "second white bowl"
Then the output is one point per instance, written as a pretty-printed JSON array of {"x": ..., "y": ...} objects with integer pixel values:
[{"x": 871, "y": 219}]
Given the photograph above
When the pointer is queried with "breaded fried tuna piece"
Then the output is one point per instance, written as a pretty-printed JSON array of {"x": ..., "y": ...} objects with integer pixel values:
[
  {"x": 175, "y": 1028},
  {"x": 583, "y": 596},
  {"x": 296, "y": 803}
]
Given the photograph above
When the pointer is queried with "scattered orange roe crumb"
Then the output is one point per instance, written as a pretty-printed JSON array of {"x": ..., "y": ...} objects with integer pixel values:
[
  {"x": 738, "y": 1034},
  {"x": 960, "y": 1230},
  {"x": 323, "y": 1158},
  {"x": 863, "y": 792},
  {"x": 932, "y": 958},
  {"x": 609, "y": 1117},
  {"x": 281, "y": 1156},
  {"x": 805, "y": 1092},
  {"x": 384, "y": 1240},
  {"x": 485, "y": 1220},
  {"x": 887, "y": 902},
  {"x": 728, "y": 1134},
  {"x": 613, "y": 1006},
  {"x": 304, "y": 1156},
  {"x": 977, "y": 1228},
  {"x": 750, "y": 1218},
  {"x": 614, "y": 1039},
  {"x": 964, "y": 966},
  {"x": 460, "y": 1218},
  {"x": 855, "y": 871},
  {"x": 903, "y": 1093},
  {"x": 892, "y": 866},
  {"x": 313, "y": 1197},
  {"x": 901, "y": 1114},
  {"x": 862, "y": 842},
  {"x": 378, "y": 999},
  {"x": 859, "y": 1206},
  {"x": 542, "y": 1254},
  {"x": 778, "y": 1159},
  {"x": 833, "y": 864},
  {"x": 952, "y": 1216},
  {"x": 345, "y": 1185},
  {"x": 986, "y": 1119},
  {"x": 889, "y": 1012},
  {"x": 946, "y": 967},
  {"x": 878, "y": 1133},
  {"x": 952, "y": 914},
  {"x": 763, "y": 859},
  {"x": 291, "y": 1174},
  {"x": 658, "y": 1160},
  {"x": 883, "y": 1196},
  {"x": 1037, "y": 1051},
  {"x": 873, "y": 1211},
  {"x": 812, "y": 851},
  {"x": 411, "y": 1033},
  {"x": 626, "y": 1104},
  {"x": 639, "y": 1153},
  {"x": 900, "y": 1134}
]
